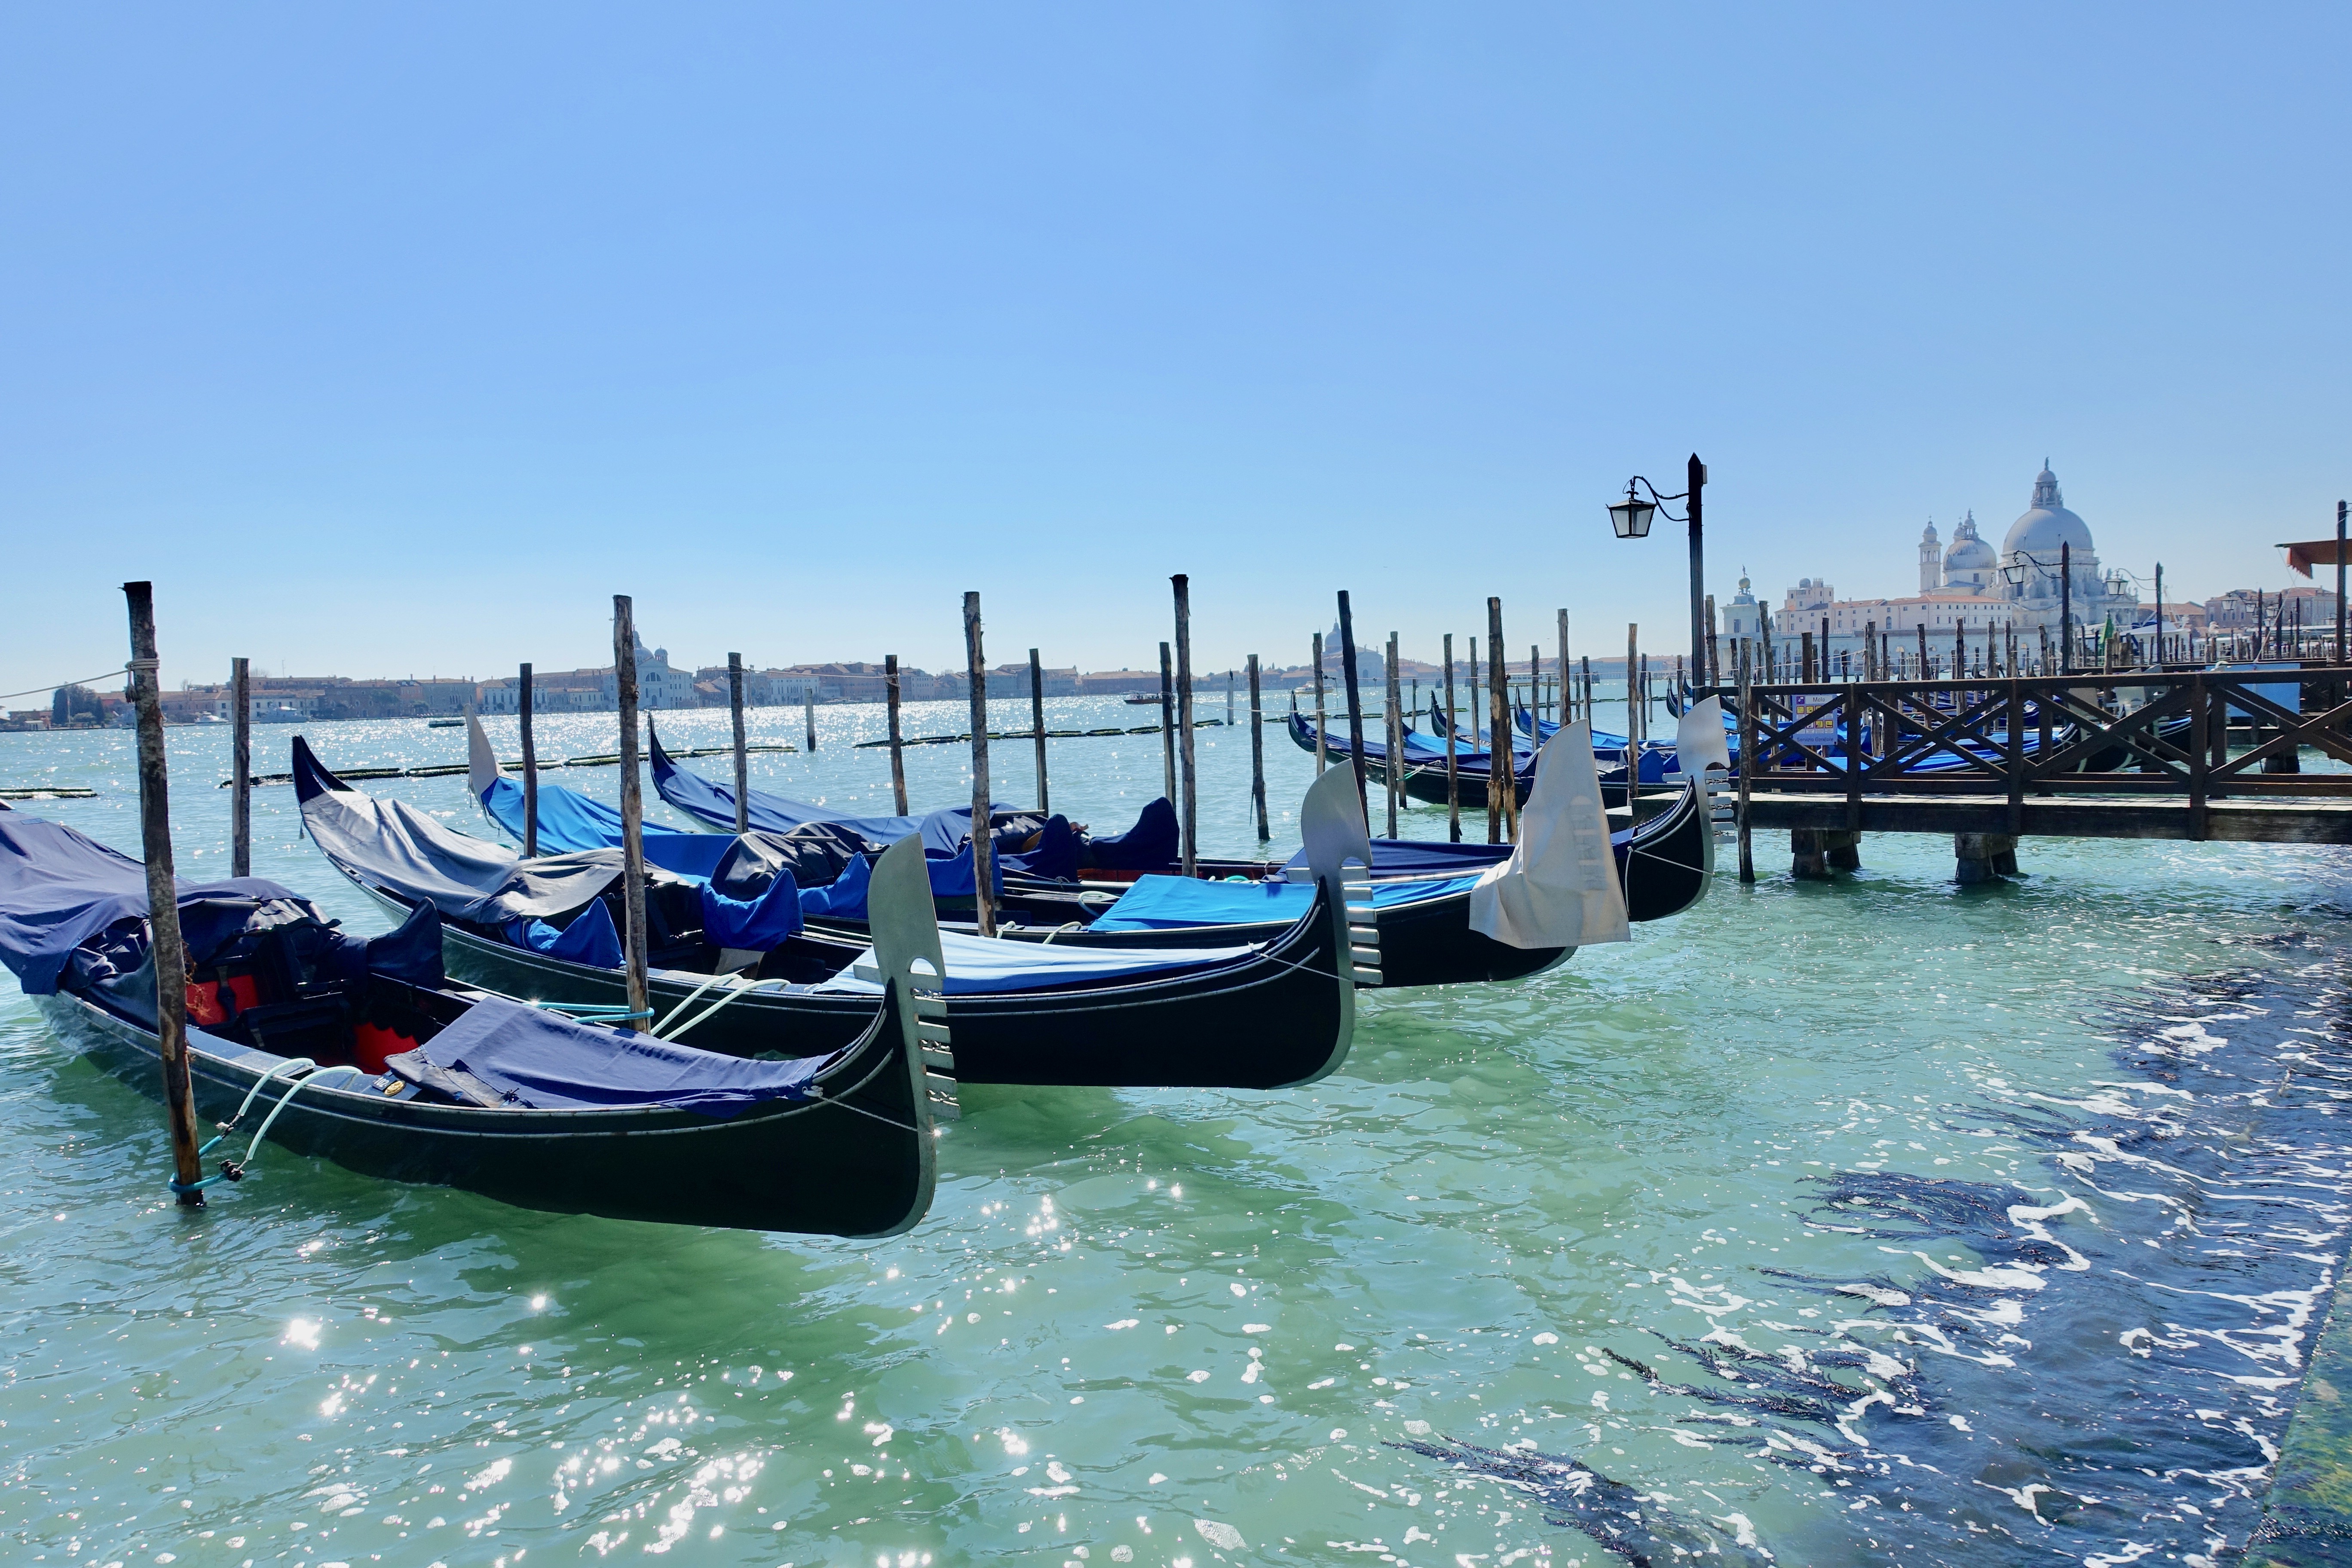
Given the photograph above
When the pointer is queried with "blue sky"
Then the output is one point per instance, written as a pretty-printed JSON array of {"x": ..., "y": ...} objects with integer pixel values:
[{"x": 396, "y": 340}]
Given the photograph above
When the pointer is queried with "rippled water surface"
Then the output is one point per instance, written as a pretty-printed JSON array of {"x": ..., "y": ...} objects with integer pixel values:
[{"x": 1880, "y": 1221}]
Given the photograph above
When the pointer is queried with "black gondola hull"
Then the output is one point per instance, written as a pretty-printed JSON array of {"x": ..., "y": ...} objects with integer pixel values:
[
  {"x": 1279, "y": 1019},
  {"x": 856, "y": 1162}
]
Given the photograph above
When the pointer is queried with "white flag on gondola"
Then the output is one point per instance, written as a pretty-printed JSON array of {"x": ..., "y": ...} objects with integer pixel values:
[
  {"x": 1699, "y": 742},
  {"x": 1559, "y": 886}
]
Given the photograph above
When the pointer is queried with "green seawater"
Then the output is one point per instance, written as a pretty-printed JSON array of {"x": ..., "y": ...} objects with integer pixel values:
[{"x": 1882, "y": 1221}]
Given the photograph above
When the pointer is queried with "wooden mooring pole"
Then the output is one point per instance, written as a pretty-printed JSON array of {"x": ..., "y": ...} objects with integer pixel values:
[
  {"x": 1746, "y": 760},
  {"x": 633, "y": 814},
  {"x": 163, "y": 897},
  {"x": 1392, "y": 729},
  {"x": 983, "y": 842},
  {"x": 1168, "y": 727},
  {"x": 742, "y": 749},
  {"x": 1184, "y": 591},
  {"x": 1355, "y": 703},
  {"x": 808, "y": 713},
  {"x": 523, "y": 699},
  {"x": 1257, "y": 753},
  {"x": 1322, "y": 721},
  {"x": 1452, "y": 769},
  {"x": 897, "y": 738},
  {"x": 1502, "y": 757},
  {"x": 1037, "y": 723},
  {"x": 240, "y": 755},
  {"x": 1567, "y": 696}
]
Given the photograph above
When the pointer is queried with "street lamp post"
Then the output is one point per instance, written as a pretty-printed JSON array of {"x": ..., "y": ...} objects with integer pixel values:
[
  {"x": 2019, "y": 562},
  {"x": 1631, "y": 519}
]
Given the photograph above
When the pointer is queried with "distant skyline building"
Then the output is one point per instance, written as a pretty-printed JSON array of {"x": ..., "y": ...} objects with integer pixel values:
[{"x": 1965, "y": 586}]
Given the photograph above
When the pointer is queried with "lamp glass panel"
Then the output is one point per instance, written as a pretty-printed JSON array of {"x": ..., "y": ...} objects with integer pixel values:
[{"x": 1630, "y": 518}]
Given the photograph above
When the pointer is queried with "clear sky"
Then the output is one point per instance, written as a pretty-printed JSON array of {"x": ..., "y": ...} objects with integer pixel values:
[{"x": 393, "y": 339}]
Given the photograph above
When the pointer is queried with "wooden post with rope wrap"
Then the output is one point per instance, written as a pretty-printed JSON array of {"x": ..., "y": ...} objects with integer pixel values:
[
  {"x": 240, "y": 753},
  {"x": 523, "y": 695},
  {"x": 897, "y": 737},
  {"x": 984, "y": 844},
  {"x": 1181, "y": 584},
  {"x": 632, "y": 813},
  {"x": 743, "y": 753},
  {"x": 163, "y": 899},
  {"x": 1037, "y": 723},
  {"x": 1257, "y": 753}
]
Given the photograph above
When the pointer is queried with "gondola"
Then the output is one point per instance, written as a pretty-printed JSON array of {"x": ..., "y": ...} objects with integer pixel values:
[
  {"x": 360, "y": 1051},
  {"x": 1424, "y": 769},
  {"x": 1268, "y": 1016},
  {"x": 1423, "y": 921}
]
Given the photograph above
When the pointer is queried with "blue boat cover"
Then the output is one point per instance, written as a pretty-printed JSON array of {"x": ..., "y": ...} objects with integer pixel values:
[
  {"x": 570, "y": 822},
  {"x": 542, "y": 1061},
  {"x": 590, "y": 939},
  {"x": 1164, "y": 903},
  {"x": 755, "y": 924},
  {"x": 977, "y": 965},
  {"x": 1152, "y": 841},
  {"x": 58, "y": 888}
]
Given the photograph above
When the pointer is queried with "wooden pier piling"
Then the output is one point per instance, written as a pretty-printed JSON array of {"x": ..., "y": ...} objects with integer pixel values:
[
  {"x": 1475, "y": 676},
  {"x": 170, "y": 954},
  {"x": 1192, "y": 814},
  {"x": 983, "y": 841},
  {"x": 1746, "y": 760},
  {"x": 1502, "y": 756},
  {"x": 240, "y": 762},
  {"x": 808, "y": 715},
  {"x": 1168, "y": 727},
  {"x": 1453, "y": 769},
  {"x": 742, "y": 746},
  {"x": 523, "y": 700},
  {"x": 1393, "y": 731},
  {"x": 897, "y": 738},
  {"x": 633, "y": 814},
  {"x": 1037, "y": 724},
  {"x": 1257, "y": 753},
  {"x": 1322, "y": 720}
]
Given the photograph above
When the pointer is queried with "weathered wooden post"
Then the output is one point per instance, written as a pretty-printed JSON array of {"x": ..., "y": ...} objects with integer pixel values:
[
  {"x": 1477, "y": 675},
  {"x": 1585, "y": 661},
  {"x": 983, "y": 815},
  {"x": 1037, "y": 723},
  {"x": 1567, "y": 694},
  {"x": 632, "y": 813},
  {"x": 742, "y": 748},
  {"x": 163, "y": 897},
  {"x": 1634, "y": 714},
  {"x": 240, "y": 754},
  {"x": 808, "y": 711},
  {"x": 1747, "y": 758},
  {"x": 1182, "y": 585},
  {"x": 1168, "y": 725},
  {"x": 1714, "y": 663},
  {"x": 897, "y": 739},
  {"x": 1453, "y": 769},
  {"x": 1257, "y": 753},
  {"x": 1392, "y": 729},
  {"x": 523, "y": 700},
  {"x": 1354, "y": 702},
  {"x": 1322, "y": 740},
  {"x": 1502, "y": 756},
  {"x": 1229, "y": 700}
]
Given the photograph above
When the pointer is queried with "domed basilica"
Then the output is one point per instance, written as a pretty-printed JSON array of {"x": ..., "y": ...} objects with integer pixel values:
[{"x": 1967, "y": 585}]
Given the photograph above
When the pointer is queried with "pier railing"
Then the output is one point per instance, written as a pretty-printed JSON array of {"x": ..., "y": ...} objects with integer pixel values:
[{"x": 2194, "y": 733}]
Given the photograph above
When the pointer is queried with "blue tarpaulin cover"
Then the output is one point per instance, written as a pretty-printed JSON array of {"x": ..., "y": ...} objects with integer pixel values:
[
  {"x": 979, "y": 964},
  {"x": 545, "y": 1062},
  {"x": 570, "y": 822},
  {"x": 755, "y": 924},
  {"x": 1152, "y": 841},
  {"x": 1163, "y": 903},
  {"x": 590, "y": 939},
  {"x": 58, "y": 888}
]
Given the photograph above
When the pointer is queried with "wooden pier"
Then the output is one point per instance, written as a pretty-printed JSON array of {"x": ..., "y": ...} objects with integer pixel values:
[{"x": 2182, "y": 754}]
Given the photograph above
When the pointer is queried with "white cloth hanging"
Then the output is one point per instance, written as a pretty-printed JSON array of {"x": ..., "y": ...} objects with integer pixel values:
[{"x": 1559, "y": 888}]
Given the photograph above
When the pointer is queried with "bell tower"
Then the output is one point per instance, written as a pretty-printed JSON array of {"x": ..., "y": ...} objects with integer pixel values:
[{"x": 1931, "y": 560}]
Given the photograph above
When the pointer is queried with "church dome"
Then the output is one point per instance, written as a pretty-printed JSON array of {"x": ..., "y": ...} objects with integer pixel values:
[
  {"x": 2048, "y": 525},
  {"x": 1969, "y": 552}
]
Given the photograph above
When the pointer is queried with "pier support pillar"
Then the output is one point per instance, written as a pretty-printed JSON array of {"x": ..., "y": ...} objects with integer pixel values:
[
  {"x": 1983, "y": 857},
  {"x": 1816, "y": 852}
]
